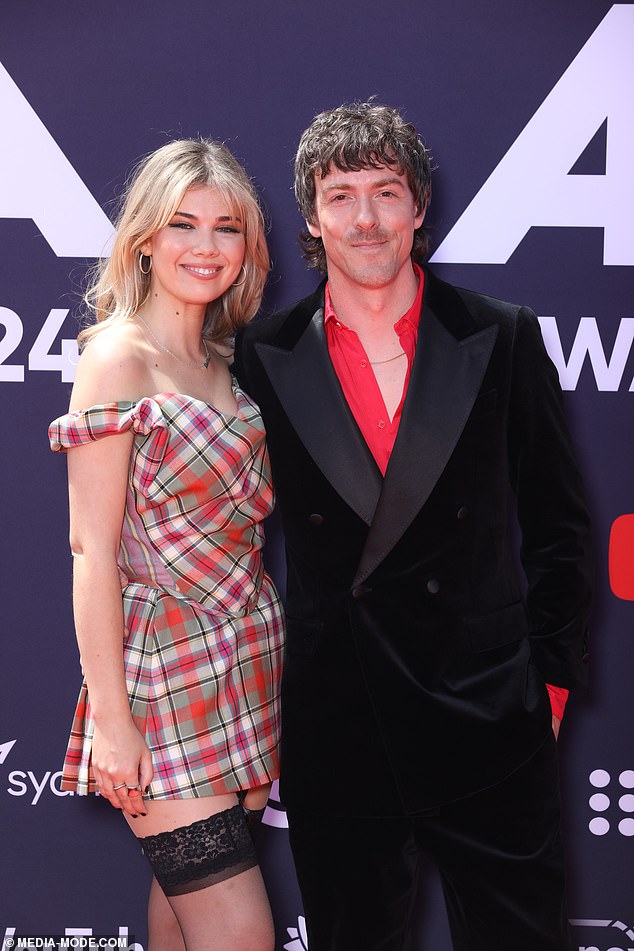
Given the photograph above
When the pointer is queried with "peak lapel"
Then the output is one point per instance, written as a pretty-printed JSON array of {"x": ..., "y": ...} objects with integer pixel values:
[
  {"x": 446, "y": 377},
  {"x": 307, "y": 387}
]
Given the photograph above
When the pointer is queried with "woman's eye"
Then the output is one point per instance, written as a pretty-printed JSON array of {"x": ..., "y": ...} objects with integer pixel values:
[{"x": 184, "y": 225}]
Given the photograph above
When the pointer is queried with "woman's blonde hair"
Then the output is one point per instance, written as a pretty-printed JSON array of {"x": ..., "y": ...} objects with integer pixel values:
[{"x": 118, "y": 288}]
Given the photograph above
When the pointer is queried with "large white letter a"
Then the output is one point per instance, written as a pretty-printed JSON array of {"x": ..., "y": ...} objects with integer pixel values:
[
  {"x": 532, "y": 186},
  {"x": 37, "y": 181}
]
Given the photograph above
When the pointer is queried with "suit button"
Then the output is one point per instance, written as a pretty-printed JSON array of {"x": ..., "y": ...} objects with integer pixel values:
[
  {"x": 433, "y": 585},
  {"x": 316, "y": 519},
  {"x": 462, "y": 512},
  {"x": 360, "y": 591},
  {"x": 586, "y": 658}
]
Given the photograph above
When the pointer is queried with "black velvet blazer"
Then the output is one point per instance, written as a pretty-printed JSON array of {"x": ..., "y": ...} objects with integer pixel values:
[{"x": 417, "y": 654}]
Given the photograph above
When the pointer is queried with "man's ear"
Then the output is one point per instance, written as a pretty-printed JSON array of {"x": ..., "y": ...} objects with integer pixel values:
[
  {"x": 420, "y": 216},
  {"x": 313, "y": 228}
]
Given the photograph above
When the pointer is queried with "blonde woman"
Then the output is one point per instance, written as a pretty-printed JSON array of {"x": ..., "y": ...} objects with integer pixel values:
[{"x": 179, "y": 628}]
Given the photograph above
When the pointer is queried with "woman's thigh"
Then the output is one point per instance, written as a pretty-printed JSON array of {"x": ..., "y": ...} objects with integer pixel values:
[{"x": 163, "y": 815}]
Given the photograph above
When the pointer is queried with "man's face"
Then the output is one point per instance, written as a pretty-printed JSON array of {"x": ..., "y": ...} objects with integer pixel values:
[{"x": 366, "y": 220}]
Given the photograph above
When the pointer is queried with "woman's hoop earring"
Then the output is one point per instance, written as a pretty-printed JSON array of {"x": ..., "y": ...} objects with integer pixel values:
[
  {"x": 240, "y": 283},
  {"x": 149, "y": 257}
]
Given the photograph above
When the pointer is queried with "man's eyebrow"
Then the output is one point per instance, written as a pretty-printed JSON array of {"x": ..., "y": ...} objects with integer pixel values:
[{"x": 345, "y": 186}]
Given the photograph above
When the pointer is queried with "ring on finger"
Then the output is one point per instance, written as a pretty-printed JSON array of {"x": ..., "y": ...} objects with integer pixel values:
[{"x": 120, "y": 786}]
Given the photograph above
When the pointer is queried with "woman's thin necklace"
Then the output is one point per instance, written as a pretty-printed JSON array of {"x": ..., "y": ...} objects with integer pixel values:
[{"x": 161, "y": 346}]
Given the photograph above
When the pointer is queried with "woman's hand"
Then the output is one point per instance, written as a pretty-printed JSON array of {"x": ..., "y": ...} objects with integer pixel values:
[{"x": 122, "y": 764}]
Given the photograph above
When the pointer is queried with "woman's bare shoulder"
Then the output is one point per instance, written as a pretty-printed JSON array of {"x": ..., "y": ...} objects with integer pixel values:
[{"x": 113, "y": 366}]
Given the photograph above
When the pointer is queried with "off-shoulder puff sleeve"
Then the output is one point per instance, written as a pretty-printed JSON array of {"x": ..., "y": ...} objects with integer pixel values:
[{"x": 105, "y": 419}]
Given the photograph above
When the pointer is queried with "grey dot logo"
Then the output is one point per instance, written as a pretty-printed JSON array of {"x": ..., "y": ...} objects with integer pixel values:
[
  {"x": 626, "y": 827},
  {"x": 627, "y": 803},
  {"x": 611, "y": 811},
  {"x": 599, "y": 826},
  {"x": 599, "y": 802},
  {"x": 599, "y": 778},
  {"x": 626, "y": 779}
]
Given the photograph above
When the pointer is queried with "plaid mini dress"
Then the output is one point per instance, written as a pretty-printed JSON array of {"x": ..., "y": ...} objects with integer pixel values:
[{"x": 204, "y": 630}]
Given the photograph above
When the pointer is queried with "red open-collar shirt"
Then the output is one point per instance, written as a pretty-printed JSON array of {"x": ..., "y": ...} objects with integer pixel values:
[
  {"x": 359, "y": 385},
  {"x": 357, "y": 376}
]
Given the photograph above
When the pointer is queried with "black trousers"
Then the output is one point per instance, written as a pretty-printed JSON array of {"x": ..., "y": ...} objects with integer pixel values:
[{"x": 499, "y": 856}]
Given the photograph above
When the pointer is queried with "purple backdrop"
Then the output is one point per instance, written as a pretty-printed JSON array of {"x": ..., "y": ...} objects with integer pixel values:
[{"x": 528, "y": 110}]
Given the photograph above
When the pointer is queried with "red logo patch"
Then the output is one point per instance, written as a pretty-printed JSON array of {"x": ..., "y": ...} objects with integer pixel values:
[{"x": 621, "y": 557}]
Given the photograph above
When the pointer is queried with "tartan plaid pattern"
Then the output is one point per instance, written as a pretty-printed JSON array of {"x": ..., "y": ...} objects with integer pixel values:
[{"x": 204, "y": 626}]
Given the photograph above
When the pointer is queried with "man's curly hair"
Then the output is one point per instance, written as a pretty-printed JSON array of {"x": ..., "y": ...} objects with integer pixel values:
[{"x": 352, "y": 137}]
